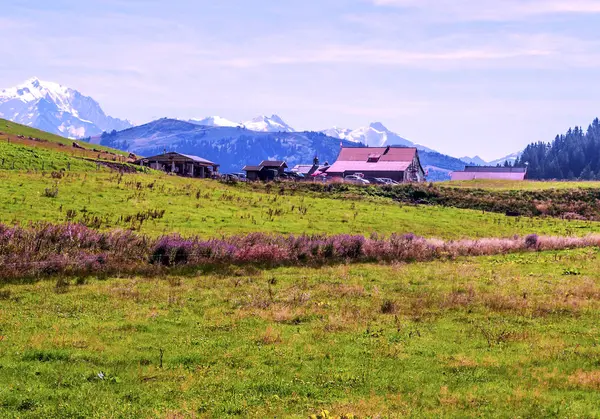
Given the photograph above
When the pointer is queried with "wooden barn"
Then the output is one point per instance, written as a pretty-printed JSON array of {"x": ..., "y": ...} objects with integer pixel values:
[
  {"x": 401, "y": 164},
  {"x": 490, "y": 172},
  {"x": 181, "y": 165},
  {"x": 266, "y": 170}
]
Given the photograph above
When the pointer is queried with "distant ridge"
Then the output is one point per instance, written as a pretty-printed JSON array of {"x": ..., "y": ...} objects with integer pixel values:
[{"x": 234, "y": 147}]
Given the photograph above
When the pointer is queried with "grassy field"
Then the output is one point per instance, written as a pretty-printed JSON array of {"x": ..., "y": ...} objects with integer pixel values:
[
  {"x": 527, "y": 185},
  {"x": 209, "y": 208},
  {"x": 504, "y": 336},
  {"x": 19, "y": 157},
  {"x": 513, "y": 335},
  {"x": 12, "y": 129}
]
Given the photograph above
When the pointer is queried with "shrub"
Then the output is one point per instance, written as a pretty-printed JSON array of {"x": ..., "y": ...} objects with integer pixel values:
[
  {"x": 531, "y": 241},
  {"x": 389, "y": 307},
  {"x": 51, "y": 192}
]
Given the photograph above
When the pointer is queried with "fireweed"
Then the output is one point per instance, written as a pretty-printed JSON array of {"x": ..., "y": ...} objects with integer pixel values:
[{"x": 73, "y": 249}]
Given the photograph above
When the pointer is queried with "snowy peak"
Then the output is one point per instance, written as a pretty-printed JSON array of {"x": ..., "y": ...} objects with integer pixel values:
[
  {"x": 373, "y": 135},
  {"x": 268, "y": 124},
  {"x": 378, "y": 126},
  {"x": 55, "y": 108},
  {"x": 215, "y": 121},
  {"x": 335, "y": 132},
  {"x": 34, "y": 89}
]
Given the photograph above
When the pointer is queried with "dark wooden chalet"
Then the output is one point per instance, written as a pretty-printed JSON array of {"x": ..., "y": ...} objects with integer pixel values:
[{"x": 267, "y": 170}]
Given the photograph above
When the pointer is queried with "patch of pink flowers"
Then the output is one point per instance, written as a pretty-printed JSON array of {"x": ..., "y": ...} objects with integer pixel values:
[{"x": 72, "y": 249}]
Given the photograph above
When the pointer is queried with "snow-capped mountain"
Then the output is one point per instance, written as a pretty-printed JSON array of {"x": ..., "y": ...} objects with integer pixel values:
[
  {"x": 268, "y": 124},
  {"x": 374, "y": 135},
  {"x": 234, "y": 147},
  {"x": 341, "y": 133},
  {"x": 215, "y": 121},
  {"x": 58, "y": 109}
]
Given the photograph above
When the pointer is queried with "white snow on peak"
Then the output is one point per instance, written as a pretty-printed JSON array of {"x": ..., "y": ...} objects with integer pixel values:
[
  {"x": 215, "y": 121},
  {"x": 55, "y": 108},
  {"x": 268, "y": 124},
  {"x": 341, "y": 133},
  {"x": 35, "y": 89},
  {"x": 373, "y": 135}
]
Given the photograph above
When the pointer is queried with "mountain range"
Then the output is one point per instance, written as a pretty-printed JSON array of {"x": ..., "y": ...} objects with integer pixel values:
[
  {"x": 64, "y": 111},
  {"x": 374, "y": 135},
  {"x": 234, "y": 147},
  {"x": 56, "y": 109},
  {"x": 478, "y": 161},
  {"x": 262, "y": 123}
]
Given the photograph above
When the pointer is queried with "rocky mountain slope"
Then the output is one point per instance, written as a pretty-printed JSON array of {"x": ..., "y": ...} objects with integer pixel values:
[{"x": 56, "y": 109}]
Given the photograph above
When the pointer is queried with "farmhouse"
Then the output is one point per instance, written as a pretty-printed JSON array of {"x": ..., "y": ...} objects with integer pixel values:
[
  {"x": 267, "y": 170},
  {"x": 401, "y": 164},
  {"x": 309, "y": 169},
  {"x": 490, "y": 172},
  {"x": 181, "y": 164}
]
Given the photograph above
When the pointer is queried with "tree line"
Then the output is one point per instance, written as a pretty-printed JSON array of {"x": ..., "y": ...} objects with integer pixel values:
[{"x": 574, "y": 155}]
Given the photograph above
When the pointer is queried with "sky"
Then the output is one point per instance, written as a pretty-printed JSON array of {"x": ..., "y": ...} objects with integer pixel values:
[{"x": 465, "y": 77}]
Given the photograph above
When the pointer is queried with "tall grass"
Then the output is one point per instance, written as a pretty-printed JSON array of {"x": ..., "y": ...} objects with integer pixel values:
[{"x": 73, "y": 249}]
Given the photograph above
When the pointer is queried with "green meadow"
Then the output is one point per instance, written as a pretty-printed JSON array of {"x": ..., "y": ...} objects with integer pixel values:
[
  {"x": 502, "y": 336},
  {"x": 512, "y": 335},
  {"x": 9, "y": 128},
  {"x": 20, "y": 158},
  {"x": 527, "y": 185},
  {"x": 208, "y": 208}
]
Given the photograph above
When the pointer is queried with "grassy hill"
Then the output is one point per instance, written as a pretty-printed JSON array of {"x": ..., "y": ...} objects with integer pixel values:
[
  {"x": 456, "y": 335},
  {"x": 9, "y": 129},
  {"x": 25, "y": 148},
  {"x": 210, "y": 209}
]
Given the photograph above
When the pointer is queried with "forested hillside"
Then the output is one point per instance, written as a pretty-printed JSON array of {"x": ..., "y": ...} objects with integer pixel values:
[{"x": 574, "y": 155}]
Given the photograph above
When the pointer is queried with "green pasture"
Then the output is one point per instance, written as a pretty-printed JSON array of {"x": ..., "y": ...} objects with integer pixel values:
[
  {"x": 208, "y": 208},
  {"x": 527, "y": 185},
  {"x": 503, "y": 336},
  {"x": 12, "y": 128}
]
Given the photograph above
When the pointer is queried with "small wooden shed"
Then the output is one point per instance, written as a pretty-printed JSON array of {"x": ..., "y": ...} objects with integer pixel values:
[{"x": 267, "y": 170}]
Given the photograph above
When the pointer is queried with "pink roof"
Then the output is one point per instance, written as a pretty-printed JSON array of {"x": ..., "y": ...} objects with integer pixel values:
[
  {"x": 363, "y": 166},
  {"x": 487, "y": 175},
  {"x": 397, "y": 154},
  {"x": 360, "y": 159}
]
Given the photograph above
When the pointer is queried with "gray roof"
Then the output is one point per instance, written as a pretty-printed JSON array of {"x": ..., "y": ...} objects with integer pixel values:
[
  {"x": 252, "y": 168},
  {"x": 166, "y": 156},
  {"x": 272, "y": 163},
  {"x": 196, "y": 158},
  {"x": 303, "y": 168}
]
